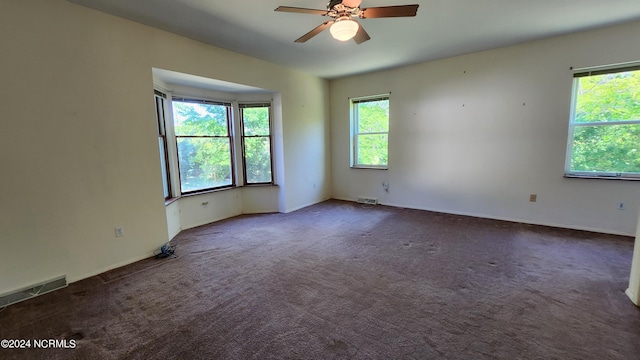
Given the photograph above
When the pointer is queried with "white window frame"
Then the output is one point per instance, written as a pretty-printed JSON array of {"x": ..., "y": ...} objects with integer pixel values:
[
  {"x": 230, "y": 135},
  {"x": 577, "y": 74},
  {"x": 236, "y": 135},
  {"x": 160, "y": 99},
  {"x": 248, "y": 104},
  {"x": 354, "y": 131}
]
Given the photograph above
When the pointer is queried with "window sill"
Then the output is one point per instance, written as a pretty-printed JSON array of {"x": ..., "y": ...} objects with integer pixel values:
[
  {"x": 208, "y": 191},
  {"x": 597, "y": 177},
  {"x": 372, "y": 167},
  {"x": 257, "y": 185},
  {"x": 172, "y": 200}
]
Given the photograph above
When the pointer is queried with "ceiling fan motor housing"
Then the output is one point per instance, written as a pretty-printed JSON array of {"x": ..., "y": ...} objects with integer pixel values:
[{"x": 333, "y": 3}]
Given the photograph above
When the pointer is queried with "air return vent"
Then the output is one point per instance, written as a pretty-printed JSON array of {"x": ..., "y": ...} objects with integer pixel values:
[
  {"x": 365, "y": 200},
  {"x": 33, "y": 291}
]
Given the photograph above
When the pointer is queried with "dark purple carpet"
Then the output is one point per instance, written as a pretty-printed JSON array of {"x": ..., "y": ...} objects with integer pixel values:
[{"x": 339, "y": 280}]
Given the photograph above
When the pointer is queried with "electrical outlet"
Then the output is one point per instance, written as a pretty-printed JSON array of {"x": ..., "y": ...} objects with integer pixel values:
[
  {"x": 533, "y": 197},
  {"x": 621, "y": 205},
  {"x": 385, "y": 186},
  {"x": 119, "y": 231}
]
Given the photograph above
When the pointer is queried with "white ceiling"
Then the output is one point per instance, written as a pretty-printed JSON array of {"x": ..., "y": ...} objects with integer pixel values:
[
  {"x": 442, "y": 28},
  {"x": 192, "y": 81}
]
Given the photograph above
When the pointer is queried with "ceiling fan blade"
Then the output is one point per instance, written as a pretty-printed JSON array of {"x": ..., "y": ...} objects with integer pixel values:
[
  {"x": 320, "y": 28},
  {"x": 389, "y": 11},
  {"x": 361, "y": 35},
  {"x": 301, "y": 10},
  {"x": 351, "y": 3}
]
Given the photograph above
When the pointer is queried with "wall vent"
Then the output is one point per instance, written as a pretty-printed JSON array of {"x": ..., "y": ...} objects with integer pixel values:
[
  {"x": 33, "y": 291},
  {"x": 370, "y": 201}
]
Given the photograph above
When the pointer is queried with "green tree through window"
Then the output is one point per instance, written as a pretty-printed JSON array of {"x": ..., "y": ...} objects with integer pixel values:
[
  {"x": 370, "y": 134},
  {"x": 605, "y": 127},
  {"x": 204, "y": 144},
  {"x": 256, "y": 142}
]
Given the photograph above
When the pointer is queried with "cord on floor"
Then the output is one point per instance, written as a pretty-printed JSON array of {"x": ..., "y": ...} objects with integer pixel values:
[{"x": 167, "y": 250}]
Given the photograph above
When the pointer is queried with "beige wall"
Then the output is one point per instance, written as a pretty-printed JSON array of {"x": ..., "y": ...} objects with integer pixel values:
[
  {"x": 78, "y": 147},
  {"x": 476, "y": 134}
]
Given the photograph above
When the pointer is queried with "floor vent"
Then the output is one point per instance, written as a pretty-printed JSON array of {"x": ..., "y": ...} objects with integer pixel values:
[
  {"x": 33, "y": 291},
  {"x": 370, "y": 201}
]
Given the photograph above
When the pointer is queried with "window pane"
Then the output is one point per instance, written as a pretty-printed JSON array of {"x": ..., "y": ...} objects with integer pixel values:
[
  {"x": 608, "y": 97},
  {"x": 200, "y": 119},
  {"x": 255, "y": 121},
  {"x": 163, "y": 165},
  {"x": 160, "y": 115},
  {"x": 373, "y": 116},
  {"x": 257, "y": 159},
  {"x": 610, "y": 148},
  {"x": 372, "y": 149},
  {"x": 204, "y": 163},
  {"x": 160, "y": 119}
]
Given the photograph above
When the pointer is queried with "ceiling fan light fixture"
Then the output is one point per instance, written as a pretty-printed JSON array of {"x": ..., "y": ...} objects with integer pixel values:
[{"x": 344, "y": 30}]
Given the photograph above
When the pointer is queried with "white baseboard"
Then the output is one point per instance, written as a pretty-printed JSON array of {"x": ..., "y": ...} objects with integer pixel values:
[
  {"x": 634, "y": 297},
  {"x": 516, "y": 220},
  {"x": 73, "y": 279},
  {"x": 306, "y": 205}
]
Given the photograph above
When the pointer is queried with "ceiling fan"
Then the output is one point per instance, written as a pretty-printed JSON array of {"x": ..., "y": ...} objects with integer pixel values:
[{"x": 343, "y": 26}]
